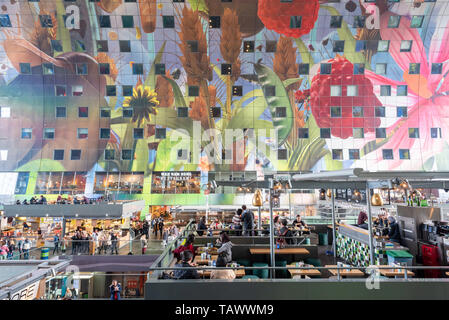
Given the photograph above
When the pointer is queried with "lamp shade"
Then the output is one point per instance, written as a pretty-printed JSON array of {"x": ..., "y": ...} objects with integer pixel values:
[
  {"x": 329, "y": 193},
  {"x": 376, "y": 200},
  {"x": 257, "y": 199}
]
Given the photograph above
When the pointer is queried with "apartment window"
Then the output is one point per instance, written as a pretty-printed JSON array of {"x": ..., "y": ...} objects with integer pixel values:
[
  {"x": 105, "y": 112},
  {"x": 27, "y": 133},
  {"x": 105, "y": 133},
  {"x": 216, "y": 112},
  {"x": 226, "y": 69},
  {"x": 383, "y": 45},
  {"x": 339, "y": 46},
  {"x": 414, "y": 68},
  {"x": 281, "y": 112},
  {"x": 437, "y": 68},
  {"x": 381, "y": 68},
  {"x": 127, "y": 91},
  {"x": 109, "y": 154},
  {"x": 401, "y": 90},
  {"x": 270, "y": 91},
  {"x": 159, "y": 68},
  {"x": 25, "y": 68},
  {"x": 127, "y": 112},
  {"x": 127, "y": 22},
  {"x": 401, "y": 112},
  {"x": 138, "y": 133},
  {"x": 214, "y": 22},
  {"x": 237, "y": 91},
  {"x": 111, "y": 91},
  {"x": 335, "y": 112},
  {"x": 337, "y": 154},
  {"x": 336, "y": 21},
  {"x": 248, "y": 46},
  {"x": 46, "y": 21},
  {"x": 125, "y": 45},
  {"x": 75, "y": 154},
  {"x": 416, "y": 21},
  {"x": 60, "y": 91},
  {"x": 406, "y": 45},
  {"x": 83, "y": 112},
  {"x": 137, "y": 68},
  {"x": 325, "y": 68},
  {"x": 5, "y": 112},
  {"x": 295, "y": 22},
  {"x": 3, "y": 155},
  {"x": 49, "y": 133},
  {"x": 404, "y": 154},
  {"x": 104, "y": 68},
  {"x": 393, "y": 21},
  {"x": 48, "y": 69},
  {"x": 379, "y": 112},
  {"x": 325, "y": 133},
  {"x": 81, "y": 68},
  {"x": 194, "y": 91},
  {"x": 56, "y": 45},
  {"x": 413, "y": 133},
  {"x": 182, "y": 154},
  {"x": 58, "y": 154},
  {"x": 193, "y": 45},
  {"x": 270, "y": 46},
  {"x": 381, "y": 133},
  {"x": 127, "y": 154},
  {"x": 82, "y": 133},
  {"x": 360, "y": 45},
  {"x": 357, "y": 112},
  {"x": 102, "y": 46},
  {"x": 168, "y": 22},
  {"x": 303, "y": 133},
  {"x": 354, "y": 154},
  {"x": 303, "y": 68},
  {"x": 183, "y": 112},
  {"x": 104, "y": 21},
  {"x": 385, "y": 90},
  {"x": 359, "y": 22},
  {"x": 77, "y": 91},
  {"x": 5, "y": 22},
  {"x": 61, "y": 112},
  {"x": 435, "y": 133},
  {"x": 387, "y": 154},
  {"x": 358, "y": 133},
  {"x": 282, "y": 154},
  {"x": 335, "y": 91},
  {"x": 161, "y": 133},
  {"x": 352, "y": 91},
  {"x": 359, "y": 68}
]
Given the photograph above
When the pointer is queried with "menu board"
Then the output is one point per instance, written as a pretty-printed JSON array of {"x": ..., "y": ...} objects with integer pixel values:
[{"x": 176, "y": 182}]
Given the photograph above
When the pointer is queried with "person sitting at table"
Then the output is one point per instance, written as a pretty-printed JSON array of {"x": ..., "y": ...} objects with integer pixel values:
[
  {"x": 394, "y": 234},
  {"x": 227, "y": 274},
  {"x": 286, "y": 232},
  {"x": 188, "y": 246},
  {"x": 276, "y": 225},
  {"x": 361, "y": 220},
  {"x": 201, "y": 226},
  {"x": 59, "y": 199},
  {"x": 225, "y": 251},
  {"x": 25, "y": 202},
  {"x": 186, "y": 262},
  {"x": 299, "y": 223},
  {"x": 18, "y": 202}
]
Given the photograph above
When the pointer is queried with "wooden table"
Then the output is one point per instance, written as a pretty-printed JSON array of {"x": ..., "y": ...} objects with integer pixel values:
[
  {"x": 395, "y": 273},
  {"x": 212, "y": 250},
  {"x": 279, "y": 251},
  {"x": 303, "y": 272},
  {"x": 345, "y": 273},
  {"x": 239, "y": 273},
  {"x": 200, "y": 261}
]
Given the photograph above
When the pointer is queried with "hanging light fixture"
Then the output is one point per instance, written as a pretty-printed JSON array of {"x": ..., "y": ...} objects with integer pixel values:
[
  {"x": 404, "y": 184},
  {"x": 257, "y": 198},
  {"x": 357, "y": 196},
  {"x": 239, "y": 189},
  {"x": 329, "y": 193},
  {"x": 322, "y": 194},
  {"x": 376, "y": 200}
]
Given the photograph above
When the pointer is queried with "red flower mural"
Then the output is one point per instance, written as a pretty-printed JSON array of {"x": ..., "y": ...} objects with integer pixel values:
[
  {"x": 277, "y": 16},
  {"x": 321, "y": 101}
]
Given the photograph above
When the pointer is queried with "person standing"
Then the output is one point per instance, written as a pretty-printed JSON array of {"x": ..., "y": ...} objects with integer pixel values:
[
  {"x": 115, "y": 290},
  {"x": 161, "y": 227},
  {"x": 26, "y": 249},
  {"x": 201, "y": 226},
  {"x": 20, "y": 247},
  {"x": 237, "y": 222},
  {"x": 55, "y": 243},
  {"x": 114, "y": 240},
  {"x": 248, "y": 221}
]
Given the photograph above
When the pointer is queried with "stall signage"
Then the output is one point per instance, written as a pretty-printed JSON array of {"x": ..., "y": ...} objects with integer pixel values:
[
  {"x": 176, "y": 176},
  {"x": 27, "y": 293},
  {"x": 281, "y": 177}
]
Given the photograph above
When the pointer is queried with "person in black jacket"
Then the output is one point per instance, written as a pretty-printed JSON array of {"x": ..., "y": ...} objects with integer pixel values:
[
  {"x": 248, "y": 221},
  {"x": 186, "y": 257},
  {"x": 394, "y": 234},
  {"x": 201, "y": 226},
  {"x": 286, "y": 232}
]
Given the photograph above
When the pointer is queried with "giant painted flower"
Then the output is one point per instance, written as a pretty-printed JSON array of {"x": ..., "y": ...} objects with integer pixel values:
[
  {"x": 143, "y": 102},
  {"x": 427, "y": 99},
  {"x": 292, "y": 19}
]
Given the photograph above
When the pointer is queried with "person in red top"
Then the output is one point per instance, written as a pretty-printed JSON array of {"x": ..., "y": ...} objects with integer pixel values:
[{"x": 187, "y": 246}]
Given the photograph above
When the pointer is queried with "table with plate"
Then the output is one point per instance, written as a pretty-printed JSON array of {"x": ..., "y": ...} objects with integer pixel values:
[
  {"x": 239, "y": 273},
  {"x": 345, "y": 273},
  {"x": 303, "y": 273},
  {"x": 204, "y": 261}
]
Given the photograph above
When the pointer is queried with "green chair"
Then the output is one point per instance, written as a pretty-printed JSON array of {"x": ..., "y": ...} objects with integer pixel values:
[
  {"x": 250, "y": 277},
  {"x": 281, "y": 273},
  {"x": 245, "y": 263},
  {"x": 261, "y": 273},
  {"x": 313, "y": 261}
]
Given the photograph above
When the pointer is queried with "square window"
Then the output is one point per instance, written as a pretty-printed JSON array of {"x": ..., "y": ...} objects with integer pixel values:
[
  {"x": 49, "y": 133},
  {"x": 357, "y": 112},
  {"x": 58, "y": 154},
  {"x": 104, "y": 21},
  {"x": 193, "y": 45},
  {"x": 383, "y": 45},
  {"x": 325, "y": 68},
  {"x": 401, "y": 90},
  {"x": 111, "y": 91},
  {"x": 406, "y": 45},
  {"x": 359, "y": 68},
  {"x": 226, "y": 69},
  {"x": 137, "y": 68},
  {"x": 82, "y": 133},
  {"x": 295, "y": 22},
  {"x": 416, "y": 21},
  {"x": 77, "y": 91},
  {"x": 125, "y": 45},
  {"x": 182, "y": 154},
  {"x": 127, "y": 154},
  {"x": 61, "y": 112},
  {"x": 127, "y": 22},
  {"x": 381, "y": 68},
  {"x": 216, "y": 112},
  {"x": 354, "y": 154},
  {"x": 336, "y": 21},
  {"x": 5, "y": 22},
  {"x": 138, "y": 133},
  {"x": 335, "y": 112},
  {"x": 359, "y": 22},
  {"x": 339, "y": 46},
  {"x": 109, "y": 154},
  {"x": 214, "y": 22},
  {"x": 270, "y": 46},
  {"x": 48, "y": 69},
  {"x": 393, "y": 21},
  {"x": 5, "y": 112},
  {"x": 4, "y": 155},
  {"x": 161, "y": 133},
  {"x": 437, "y": 68},
  {"x": 60, "y": 91},
  {"x": 127, "y": 91},
  {"x": 248, "y": 46},
  {"x": 105, "y": 113},
  {"x": 303, "y": 68},
  {"x": 269, "y": 91},
  {"x": 401, "y": 112},
  {"x": 379, "y": 112},
  {"x": 194, "y": 91},
  {"x": 102, "y": 46},
  {"x": 46, "y": 21},
  {"x": 358, "y": 133},
  {"x": 280, "y": 112},
  {"x": 303, "y": 133},
  {"x": 127, "y": 112},
  {"x": 404, "y": 154},
  {"x": 381, "y": 133},
  {"x": 168, "y": 22},
  {"x": 75, "y": 154},
  {"x": 360, "y": 45},
  {"x": 81, "y": 69},
  {"x": 27, "y": 133},
  {"x": 387, "y": 154},
  {"x": 104, "y": 68},
  {"x": 335, "y": 91},
  {"x": 159, "y": 68},
  {"x": 282, "y": 154},
  {"x": 413, "y": 133},
  {"x": 237, "y": 91},
  {"x": 385, "y": 91},
  {"x": 183, "y": 112},
  {"x": 414, "y": 68},
  {"x": 83, "y": 112},
  {"x": 105, "y": 133},
  {"x": 325, "y": 133},
  {"x": 25, "y": 68},
  {"x": 352, "y": 90},
  {"x": 337, "y": 154},
  {"x": 435, "y": 133}
]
